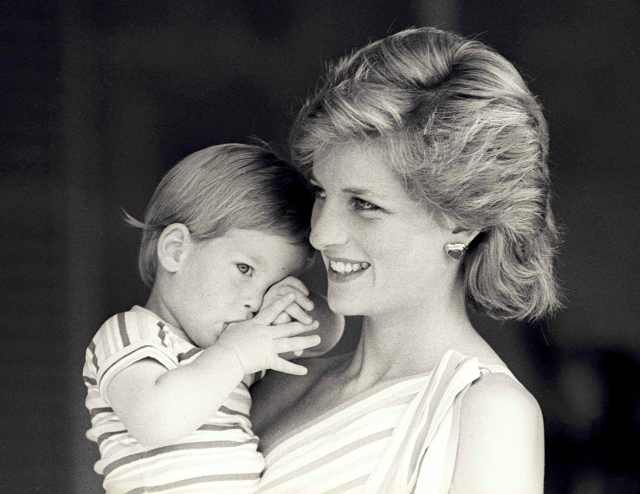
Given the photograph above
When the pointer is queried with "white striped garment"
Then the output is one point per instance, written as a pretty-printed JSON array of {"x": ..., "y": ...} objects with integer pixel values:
[
  {"x": 380, "y": 440},
  {"x": 221, "y": 456}
]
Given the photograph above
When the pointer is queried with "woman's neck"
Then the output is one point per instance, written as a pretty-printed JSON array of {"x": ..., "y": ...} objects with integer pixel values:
[{"x": 411, "y": 340}]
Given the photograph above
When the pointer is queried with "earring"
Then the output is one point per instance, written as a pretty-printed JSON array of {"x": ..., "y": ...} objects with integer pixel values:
[{"x": 454, "y": 250}]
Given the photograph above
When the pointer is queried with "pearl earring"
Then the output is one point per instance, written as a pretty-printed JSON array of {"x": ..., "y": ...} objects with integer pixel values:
[{"x": 455, "y": 250}]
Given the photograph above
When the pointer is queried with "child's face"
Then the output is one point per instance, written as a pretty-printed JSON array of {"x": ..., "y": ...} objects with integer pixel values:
[{"x": 224, "y": 279}]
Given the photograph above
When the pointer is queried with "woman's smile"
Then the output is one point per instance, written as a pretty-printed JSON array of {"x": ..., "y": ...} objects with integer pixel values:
[{"x": 341, "y": 269}]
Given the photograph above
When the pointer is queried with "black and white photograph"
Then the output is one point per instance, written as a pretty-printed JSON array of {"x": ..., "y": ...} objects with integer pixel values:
[{"x": 320, "y": 247}]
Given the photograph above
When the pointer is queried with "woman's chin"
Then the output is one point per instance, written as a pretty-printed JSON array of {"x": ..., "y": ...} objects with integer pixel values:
[{"x": 345, "y": 306}]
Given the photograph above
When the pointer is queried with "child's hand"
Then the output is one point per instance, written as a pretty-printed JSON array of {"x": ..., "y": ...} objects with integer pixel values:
[
  {"x": 258, "y": 344},
  {"x": 295, "y": 311}
]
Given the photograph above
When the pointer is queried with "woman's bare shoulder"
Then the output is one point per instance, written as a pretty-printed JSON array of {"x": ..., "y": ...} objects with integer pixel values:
[
  {"x": 501, "y": 439},
  {"x": 278, "y": 392},
  {"x": 500, "y": 396}
]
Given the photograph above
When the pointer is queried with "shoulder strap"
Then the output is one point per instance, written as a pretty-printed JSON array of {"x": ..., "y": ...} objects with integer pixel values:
[
  {"x": 398, "y": 470},
  {"x": 436, "y": 476}
]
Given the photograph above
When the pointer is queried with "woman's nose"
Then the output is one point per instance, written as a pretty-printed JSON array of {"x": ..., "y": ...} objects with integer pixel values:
[{"x": 327, "y": 226}]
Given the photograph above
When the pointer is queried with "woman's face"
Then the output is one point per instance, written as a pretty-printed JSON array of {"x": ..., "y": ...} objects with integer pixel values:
[{"x": 383, "y": 252}]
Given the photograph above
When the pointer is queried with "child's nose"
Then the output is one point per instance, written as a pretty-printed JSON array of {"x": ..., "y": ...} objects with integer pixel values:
[{"x": 253, "y": 303}]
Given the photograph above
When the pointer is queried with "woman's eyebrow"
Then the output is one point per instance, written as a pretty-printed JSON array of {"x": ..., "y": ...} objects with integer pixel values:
[
  {"x": 358, "y": 191},
  {"x": 350, "y": 190}
]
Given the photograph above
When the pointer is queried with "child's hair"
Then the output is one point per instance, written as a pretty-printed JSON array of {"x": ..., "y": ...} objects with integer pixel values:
[{"x": 223, "y": 187}]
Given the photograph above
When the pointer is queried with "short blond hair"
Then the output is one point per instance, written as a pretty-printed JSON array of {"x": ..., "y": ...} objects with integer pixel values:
[
  {"x": 467, "y": 139},
  {"x": 221, "y": 188}
]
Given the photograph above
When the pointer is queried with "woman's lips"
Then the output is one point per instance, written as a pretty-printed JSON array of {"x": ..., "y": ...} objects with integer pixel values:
[{"x": 341, "y": 270}]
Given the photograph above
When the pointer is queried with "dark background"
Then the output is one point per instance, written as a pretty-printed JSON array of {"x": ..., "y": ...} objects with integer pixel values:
[{"x": 100, "y": 100}]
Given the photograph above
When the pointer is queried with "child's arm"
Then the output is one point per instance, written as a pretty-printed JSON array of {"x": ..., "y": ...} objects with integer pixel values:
[
  {"x": 308, "y": 306},
  {"x": 159, "y": 406}
]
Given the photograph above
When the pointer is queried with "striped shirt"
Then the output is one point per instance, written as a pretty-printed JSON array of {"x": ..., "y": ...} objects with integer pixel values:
[
  {"x": 221, "y": 456},
  {"x": 398, "y": 439}
]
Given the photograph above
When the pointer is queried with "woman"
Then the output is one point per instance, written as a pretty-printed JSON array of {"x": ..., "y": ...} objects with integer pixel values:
[{"x": 428, "y": 155}]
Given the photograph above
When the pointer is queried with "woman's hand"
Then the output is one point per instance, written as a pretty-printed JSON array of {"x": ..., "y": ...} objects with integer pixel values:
[{"x": 257, "y": 343}]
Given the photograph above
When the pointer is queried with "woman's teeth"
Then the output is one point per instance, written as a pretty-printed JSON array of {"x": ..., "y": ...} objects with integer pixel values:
[{"x": 347, "y": 267}]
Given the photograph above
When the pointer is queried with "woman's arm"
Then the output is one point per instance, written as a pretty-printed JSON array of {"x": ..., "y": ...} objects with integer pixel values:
[{"x": 501, "y": 449}]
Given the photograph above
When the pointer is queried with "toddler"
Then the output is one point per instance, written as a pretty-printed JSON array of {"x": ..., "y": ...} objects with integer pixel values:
[{"x": 168, "y": 383}]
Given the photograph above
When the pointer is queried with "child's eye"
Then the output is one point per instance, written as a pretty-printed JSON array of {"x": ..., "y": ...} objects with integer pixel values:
[
  {"x": 244, "y": 268},
  {"x": 362, "y": 205}
]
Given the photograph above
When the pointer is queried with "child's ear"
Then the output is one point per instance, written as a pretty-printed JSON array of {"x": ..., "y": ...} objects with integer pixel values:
[{"x": 174, "y": 246}]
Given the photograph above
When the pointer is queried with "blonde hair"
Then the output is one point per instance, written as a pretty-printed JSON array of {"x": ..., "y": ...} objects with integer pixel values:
[
  {"x": 221, "y": 188},
  {"x": 461, "y": 129}
]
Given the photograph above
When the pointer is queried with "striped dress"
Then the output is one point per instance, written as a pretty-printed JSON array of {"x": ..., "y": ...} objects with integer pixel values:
[
  {"x": 378, "y": 441},
  {"x": 221, "y": 456}
]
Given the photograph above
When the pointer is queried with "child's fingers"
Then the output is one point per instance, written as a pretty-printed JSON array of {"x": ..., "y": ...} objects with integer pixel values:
[
  {"x": 300, "y": 297},
  {"x": 292, "y": 329},
  {"x": 286, "y": 345},
  {"x": 294, "y": 282},
  {"x": 297, "y": 313},
  {"x": 269, "y": 313},
  {"x": 282, "y": 365},
  {"x": 304, "y": 301},
  {"x": 282, "y": 318}
]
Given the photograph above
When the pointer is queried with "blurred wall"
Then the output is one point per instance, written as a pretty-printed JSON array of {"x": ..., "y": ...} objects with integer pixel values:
[{"x": 101, "y": 99}]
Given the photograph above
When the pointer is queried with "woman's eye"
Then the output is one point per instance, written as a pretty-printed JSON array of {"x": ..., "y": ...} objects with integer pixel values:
[
  {"x": 318, "y": 192},
  {"x": 244, "y": 268},
  {"x": 362, "y": 205}
]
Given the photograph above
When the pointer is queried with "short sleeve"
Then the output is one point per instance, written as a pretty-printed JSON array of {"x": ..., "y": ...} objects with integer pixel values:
[{"x": 125, "y": 339}]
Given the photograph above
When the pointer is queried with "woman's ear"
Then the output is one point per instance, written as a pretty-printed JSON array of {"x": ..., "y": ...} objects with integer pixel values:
[
  {"x": 458, "y": 242},
  {"x": 459, "y": 234},
  {"x": 174, "y": 246}
]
